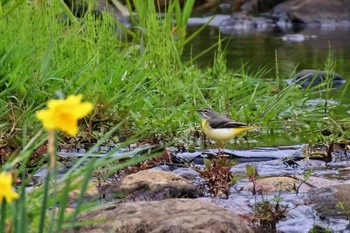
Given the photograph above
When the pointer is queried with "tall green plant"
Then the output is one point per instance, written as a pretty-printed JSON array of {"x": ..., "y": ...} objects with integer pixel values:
[{"x": 175, "y": 20}]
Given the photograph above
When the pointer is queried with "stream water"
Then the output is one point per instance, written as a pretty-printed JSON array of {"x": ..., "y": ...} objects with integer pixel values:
[{"x": 300, "y": 214}]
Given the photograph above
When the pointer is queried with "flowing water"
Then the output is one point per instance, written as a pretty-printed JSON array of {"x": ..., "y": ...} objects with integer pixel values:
[{"x": 300, "y": 214}]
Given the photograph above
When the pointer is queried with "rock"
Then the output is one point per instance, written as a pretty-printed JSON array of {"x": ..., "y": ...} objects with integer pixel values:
[
  {"x": 272, "y": 184},
  {"x": 265, "y": 5},
  {"x": 314, "y": 12},
  {"x": 242, "y": 23},
  {"x": 255, "y": 5},
  {"x": 287, "y": 14},
  {"x": 91, "y": 193},
  {"x": 152, "y": 185},
  {"x": 319, "y": 182},
  {"x": 325, "y": 200},
  {"x": 166, "y": 216},
  {"x": 315, "y": 77},
  {"x": 288, "y": 184}
]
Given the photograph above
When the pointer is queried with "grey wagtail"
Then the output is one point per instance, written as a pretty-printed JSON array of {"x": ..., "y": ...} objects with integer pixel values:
[{"x": 220, "y": 128}]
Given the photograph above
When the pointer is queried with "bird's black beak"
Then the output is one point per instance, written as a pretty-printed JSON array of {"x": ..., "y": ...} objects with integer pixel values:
[{"x": 201, "y": 113}]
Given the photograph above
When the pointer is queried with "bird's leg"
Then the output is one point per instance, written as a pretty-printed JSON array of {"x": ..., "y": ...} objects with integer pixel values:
[
  {"x": 221, "y": 147},
  {"x": 219, "y": 150}
]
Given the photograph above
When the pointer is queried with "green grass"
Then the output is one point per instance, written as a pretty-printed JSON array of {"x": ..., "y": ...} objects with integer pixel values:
[{"x": 142, "y": 81}]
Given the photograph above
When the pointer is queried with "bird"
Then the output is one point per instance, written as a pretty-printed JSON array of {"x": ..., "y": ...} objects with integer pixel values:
[{"x": 219, "y": 128}]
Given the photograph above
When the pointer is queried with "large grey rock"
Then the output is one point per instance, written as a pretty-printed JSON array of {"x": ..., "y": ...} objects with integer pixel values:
[
  {"x": 166, "y": 216},
  {"x": 152, "y": 185},
  {"x": 317, "y": 12},
  {"x": 325, "y": 200}
]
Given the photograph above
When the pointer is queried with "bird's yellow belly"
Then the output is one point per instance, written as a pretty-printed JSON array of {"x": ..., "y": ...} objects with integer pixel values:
[
  {"x": 223, "y": 134},
  {"x": 220, "y": 134}
]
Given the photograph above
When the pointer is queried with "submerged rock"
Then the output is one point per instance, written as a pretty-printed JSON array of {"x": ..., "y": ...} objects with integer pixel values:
[
  {"x": 325, "y": 200},
  {"x": 242, "y": 23},
  {"x": 309, "y": 77},
  {"x": 166, "y": 216},
  {"x": 152, "y": 185}
]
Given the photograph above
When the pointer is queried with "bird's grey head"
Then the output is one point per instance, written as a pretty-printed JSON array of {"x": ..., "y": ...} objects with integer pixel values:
[{"x": 206, "y": 112}]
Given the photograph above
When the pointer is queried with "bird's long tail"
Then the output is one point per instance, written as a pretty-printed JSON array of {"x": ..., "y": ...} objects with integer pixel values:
[{"x": 245, "y": 128}]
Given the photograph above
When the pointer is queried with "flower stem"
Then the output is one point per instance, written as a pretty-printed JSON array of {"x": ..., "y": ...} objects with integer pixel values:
[
  {"x": 51, "y": 149},
  {"x": 44, "y": 203},
  {"x": 2, "y": 217}
]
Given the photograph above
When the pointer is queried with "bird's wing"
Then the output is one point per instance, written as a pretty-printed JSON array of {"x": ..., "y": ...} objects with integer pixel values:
[
  {"x": 232, "y": 124},
  {"x": 224, "y": 123}
]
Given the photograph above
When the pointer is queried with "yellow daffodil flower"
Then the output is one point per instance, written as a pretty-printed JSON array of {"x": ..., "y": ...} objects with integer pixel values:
[
  {"x": 6, "y": 191},
  {"x": 64, "y": 114}
]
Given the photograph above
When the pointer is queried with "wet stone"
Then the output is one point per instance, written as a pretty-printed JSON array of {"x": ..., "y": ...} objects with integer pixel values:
[
  {"x": 166, "y": 216},
  {"x": 151, "y": 185},
  {"x": 325, "y": 200},
  {"x": 273, "y": 184},
  {"x": 309, "y": 77},
  {"x": 289, "y": 184}
]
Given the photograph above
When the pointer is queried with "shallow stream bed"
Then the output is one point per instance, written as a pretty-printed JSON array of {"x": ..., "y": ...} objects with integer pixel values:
[{"x": 301, "y": 214}]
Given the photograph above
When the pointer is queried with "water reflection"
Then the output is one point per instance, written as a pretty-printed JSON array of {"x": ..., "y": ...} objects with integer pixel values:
[{"x": 258, "y": 49}]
